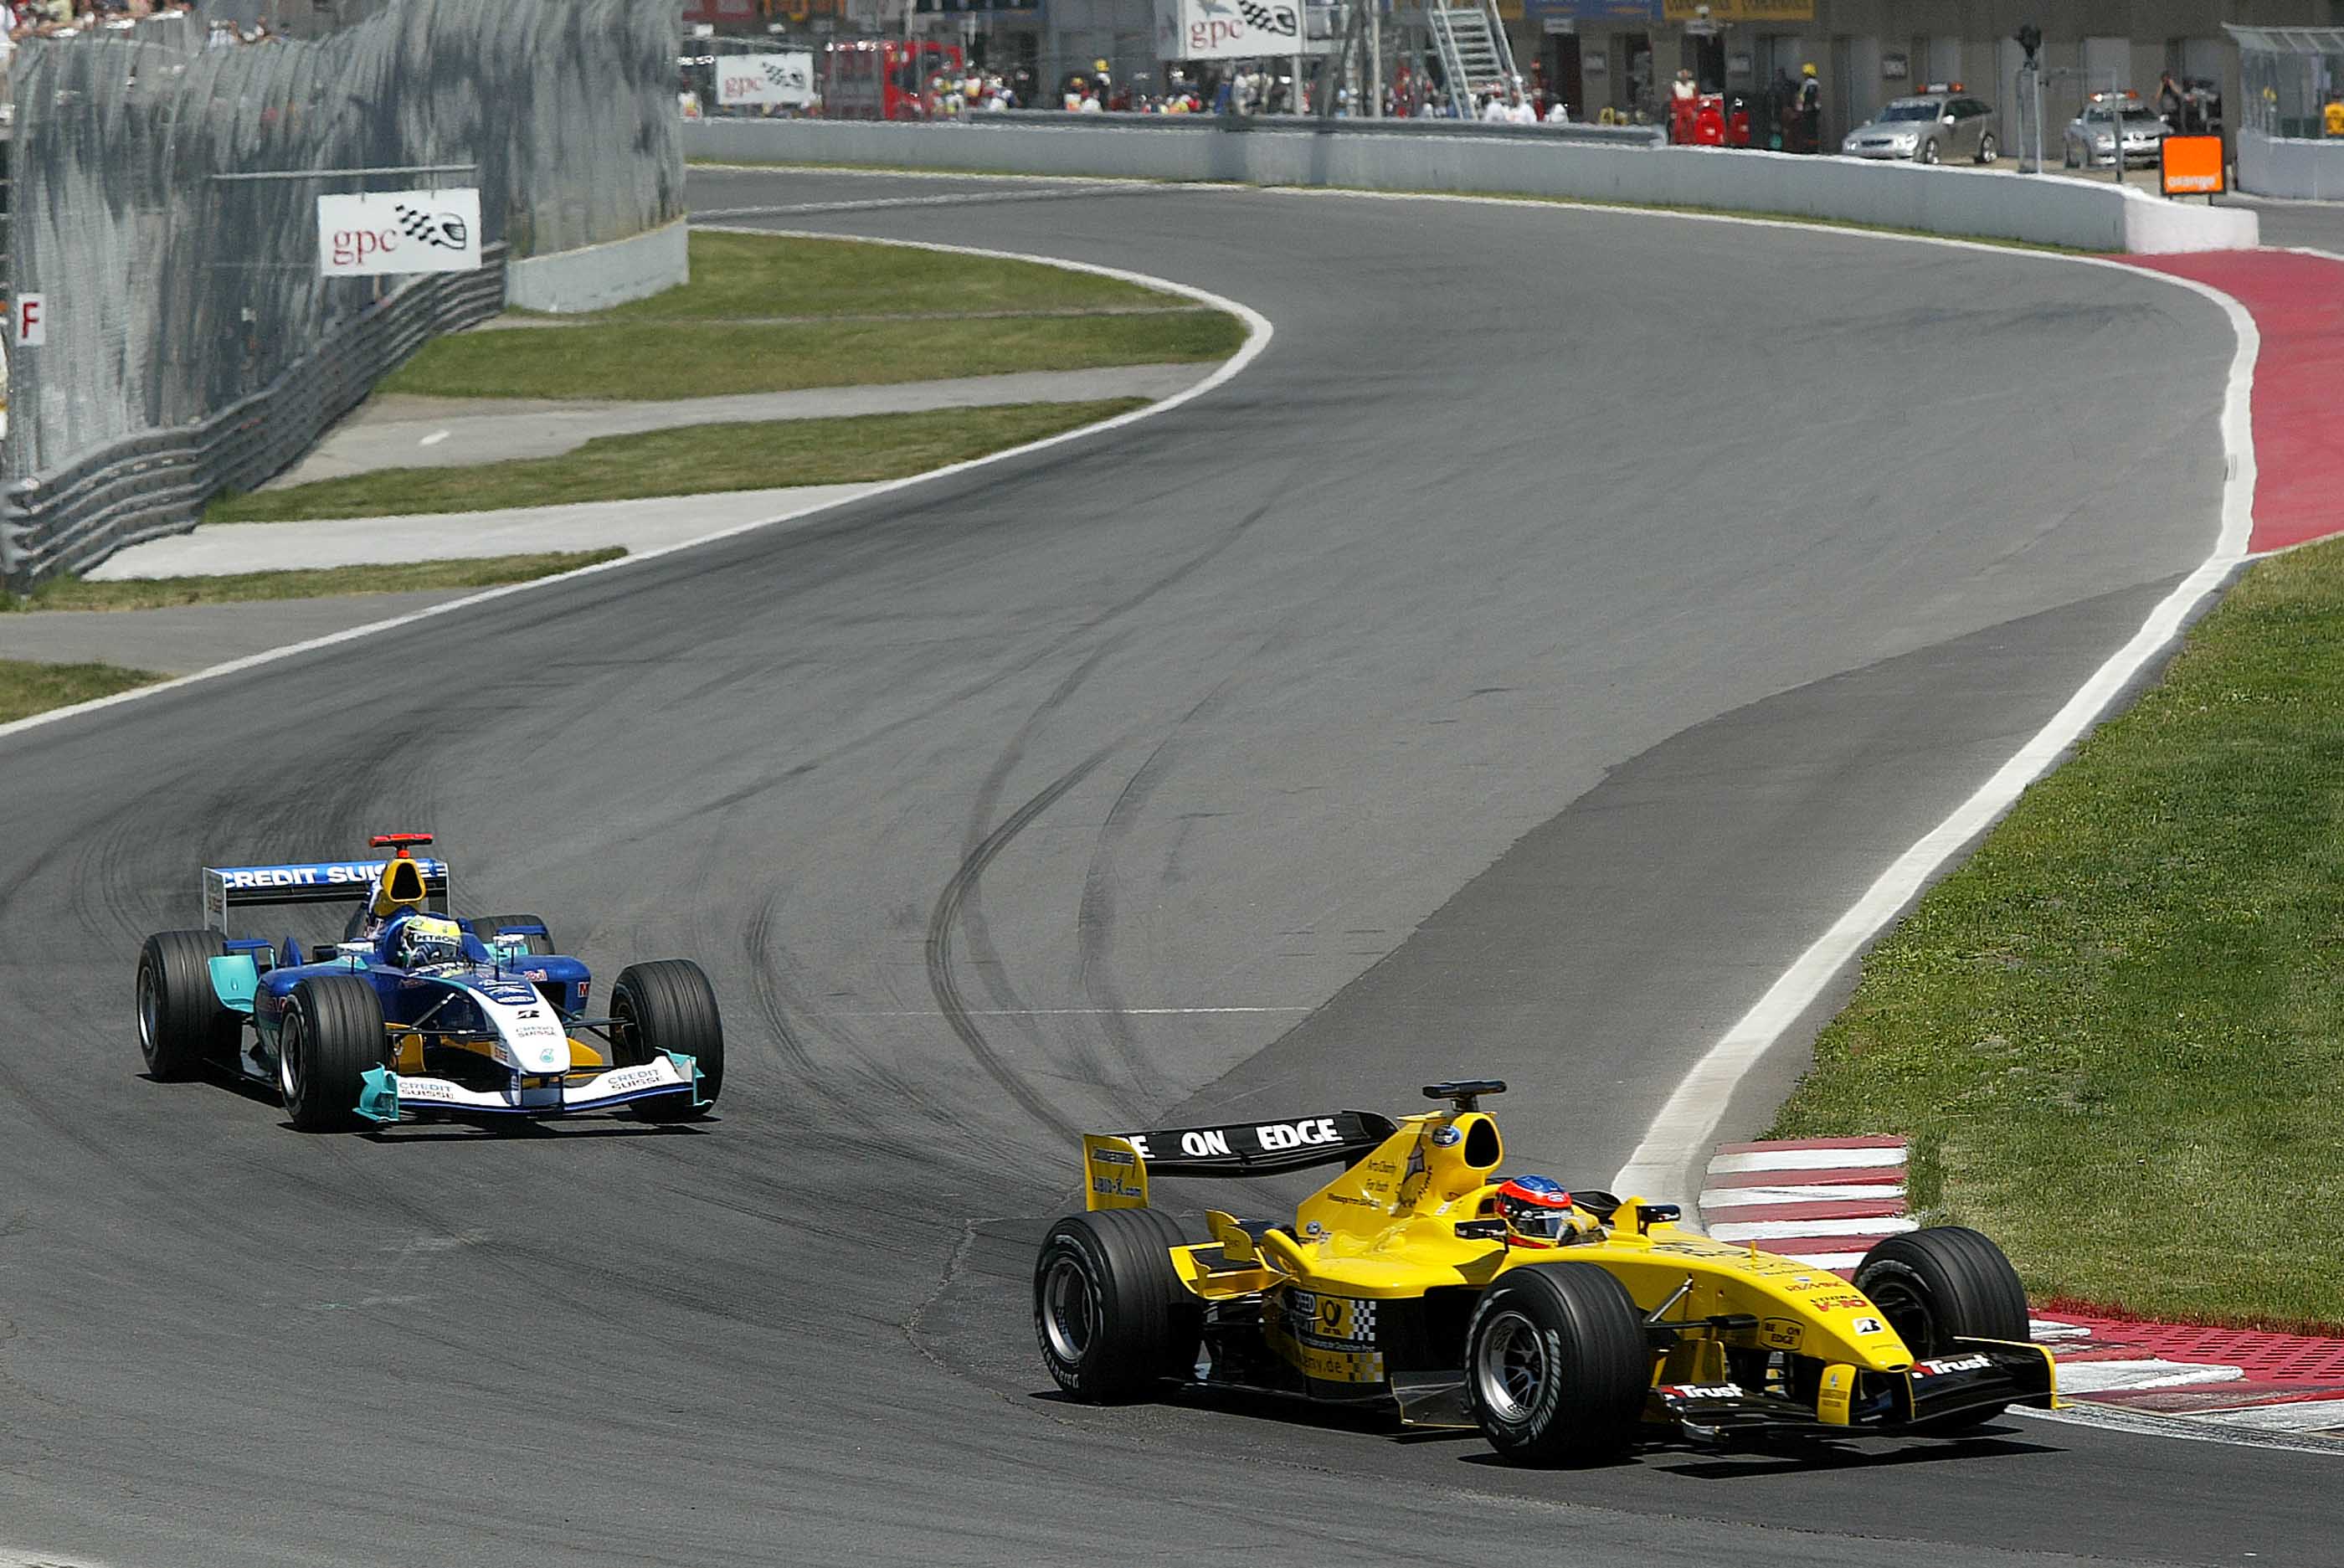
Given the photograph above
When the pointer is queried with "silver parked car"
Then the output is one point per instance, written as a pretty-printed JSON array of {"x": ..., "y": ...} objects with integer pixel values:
[
  {"x": 2091, "y": 135},
  {"x": 1927, "y": 128}
]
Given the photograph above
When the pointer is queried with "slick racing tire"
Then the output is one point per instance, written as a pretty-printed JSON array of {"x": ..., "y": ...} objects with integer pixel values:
[
  {"x": 181, "y": 1025},
  {"x": 1110, "y": 1313},
  {"x": 667, "y": 1004},
  {"x": 332, "y": 1035},
  {"x": 1941, "y": 1283},
  {"x": 485, "y": 926},
  {"x": 1556, "y": 1365}
]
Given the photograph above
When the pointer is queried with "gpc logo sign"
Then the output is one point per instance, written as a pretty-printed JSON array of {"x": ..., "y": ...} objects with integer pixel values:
[{"x": 393, "y": 232}]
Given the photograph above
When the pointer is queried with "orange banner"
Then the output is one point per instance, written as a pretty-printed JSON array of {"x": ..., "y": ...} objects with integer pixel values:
[{"x": 2192, "y": 166}]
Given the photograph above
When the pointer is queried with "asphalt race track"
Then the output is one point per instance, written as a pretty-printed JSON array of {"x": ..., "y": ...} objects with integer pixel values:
[{"x": 1507, "y": 674}]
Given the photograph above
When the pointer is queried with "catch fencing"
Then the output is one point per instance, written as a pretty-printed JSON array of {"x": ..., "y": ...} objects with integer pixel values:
[{"x": 164, "y": 201}]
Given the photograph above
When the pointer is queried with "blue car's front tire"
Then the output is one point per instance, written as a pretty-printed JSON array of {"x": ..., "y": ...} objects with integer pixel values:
[
  {"x": 332, "y": 1033},
  {"x": 668, "y": 1005}
]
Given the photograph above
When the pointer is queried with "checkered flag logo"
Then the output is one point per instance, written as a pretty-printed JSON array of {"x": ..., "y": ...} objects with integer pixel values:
[
  {"x": 443, "y": 231},
  {"x": 1278, "y": 19}
]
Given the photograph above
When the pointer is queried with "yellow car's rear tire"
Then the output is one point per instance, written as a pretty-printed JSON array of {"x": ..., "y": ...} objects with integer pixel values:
[
  {"x": 1556, "y": 1365},
  {"x": 1943, "y": 1283},
  {"x": 1110, "y": 1313}
]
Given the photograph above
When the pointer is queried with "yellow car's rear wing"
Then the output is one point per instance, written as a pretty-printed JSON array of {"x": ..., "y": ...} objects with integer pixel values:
[{"x": 1117, "y": 1166}]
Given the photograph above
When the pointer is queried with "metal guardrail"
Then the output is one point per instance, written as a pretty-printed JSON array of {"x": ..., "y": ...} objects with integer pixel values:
[{"x": 148, "y": 485}]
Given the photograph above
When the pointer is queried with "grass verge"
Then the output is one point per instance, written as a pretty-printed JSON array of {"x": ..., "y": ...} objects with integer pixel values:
[
  {"x": 167, "y": 593},
  {"x": 27, "y": 688},
  {"x": 2112, "y": 1036},
  {"x": 736, "y": 276},
  {"x": 703, "y": 339},
  {"x": 697, "y": 460},
  {"x": 642, "y": 361}
]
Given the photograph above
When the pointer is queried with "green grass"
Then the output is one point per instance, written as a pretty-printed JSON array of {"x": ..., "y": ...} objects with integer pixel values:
[
  {"x": 27, "y": 688},
  {"x": 738, "y": 276},
  {"x": 697, "y": 460},
  {"x": 165, "y": 592},
  {"x": 705, "y": 338},
  {"x": 2112, "y": 1036},
  {"x": 641, "y": 361}
]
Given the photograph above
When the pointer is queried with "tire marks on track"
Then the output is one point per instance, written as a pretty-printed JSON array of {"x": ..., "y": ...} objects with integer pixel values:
[{"x": 947, "y": 915}]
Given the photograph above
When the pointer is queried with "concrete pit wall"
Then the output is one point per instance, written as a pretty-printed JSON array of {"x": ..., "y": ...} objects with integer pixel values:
[
  {"x": 2043, "y": 210},
  {"x": 2291, "y": 167},
  {"x": 596, "y": 276}
]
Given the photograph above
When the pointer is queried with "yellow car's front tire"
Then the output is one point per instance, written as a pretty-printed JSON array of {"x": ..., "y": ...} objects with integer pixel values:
[
  {"x": 1556, "y": 1365},
  {"x": 1942, "y": 1283}
]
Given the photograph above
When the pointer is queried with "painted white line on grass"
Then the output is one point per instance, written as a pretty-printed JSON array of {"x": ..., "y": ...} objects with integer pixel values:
[
  {"x": 1687, "y": 1123},
  {"x": 1807, "y": 1160},
  {"x": 1258, "y": 332}
]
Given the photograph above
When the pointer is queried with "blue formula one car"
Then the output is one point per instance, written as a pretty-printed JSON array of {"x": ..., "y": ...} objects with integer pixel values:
[{"x": 413, "y": 1014}]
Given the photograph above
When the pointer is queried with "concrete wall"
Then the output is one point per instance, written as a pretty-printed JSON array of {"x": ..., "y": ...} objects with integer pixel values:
[
  {"x": 596, "y": 276},
  {"x": 2269, "y": 166},
  {"x": 1983, "y": 203}
]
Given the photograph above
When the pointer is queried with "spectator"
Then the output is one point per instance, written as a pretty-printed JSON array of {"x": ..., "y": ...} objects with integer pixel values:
[
  {"x": 1682, "y": 89},
  {"x": 2169, "y": 107}
]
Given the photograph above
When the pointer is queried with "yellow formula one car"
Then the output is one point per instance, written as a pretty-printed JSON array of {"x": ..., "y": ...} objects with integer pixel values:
[{"x": 1564, "y": 1325}]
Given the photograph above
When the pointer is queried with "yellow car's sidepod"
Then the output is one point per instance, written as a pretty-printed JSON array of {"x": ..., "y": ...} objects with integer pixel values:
[{"x": 1402, "y": 1282}]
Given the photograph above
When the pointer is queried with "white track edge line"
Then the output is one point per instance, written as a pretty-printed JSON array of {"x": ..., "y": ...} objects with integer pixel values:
[
  {"x": 1688, "y": 1122},
  {"x": 1258, "y": 332},
  {"x": 2080, "y": 1413}
]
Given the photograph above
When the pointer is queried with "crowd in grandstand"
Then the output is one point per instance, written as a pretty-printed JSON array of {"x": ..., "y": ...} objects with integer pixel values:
[{"x": 22, "y": 20}]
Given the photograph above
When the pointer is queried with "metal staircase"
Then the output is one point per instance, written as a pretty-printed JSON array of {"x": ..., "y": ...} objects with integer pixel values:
[{"x": 1474, "y": 54}]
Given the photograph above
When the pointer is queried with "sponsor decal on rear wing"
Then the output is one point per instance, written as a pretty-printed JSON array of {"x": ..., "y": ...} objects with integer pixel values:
[
  {"x": 1117, "y": 1166},
  {"x": 227, "y": 888}
]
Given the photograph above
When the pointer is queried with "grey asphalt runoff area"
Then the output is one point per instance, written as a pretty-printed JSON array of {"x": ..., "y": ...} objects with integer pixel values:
[
  {"x": 397, "y": 431},
  {"x": 190, "y": 637},
  {"x": 2306, "y": 225},
  {"x": 1467, "y": 687},
  {"x": 219, "y": 548}
]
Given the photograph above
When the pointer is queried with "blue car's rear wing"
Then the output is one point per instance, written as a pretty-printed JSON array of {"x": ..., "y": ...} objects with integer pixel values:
[{"x": 233, "y": 887}]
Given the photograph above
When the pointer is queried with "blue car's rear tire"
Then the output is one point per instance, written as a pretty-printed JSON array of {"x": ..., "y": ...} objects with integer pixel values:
[
  {"x": 485, "y": 926},
  {"x": 332, "y": 1035},
  {"x": 181, "y": 1025},
  {"x": 1556, "y": 1365},
  {"x": 667, "y": 1004}
]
